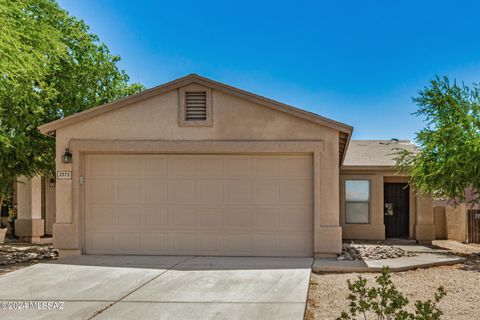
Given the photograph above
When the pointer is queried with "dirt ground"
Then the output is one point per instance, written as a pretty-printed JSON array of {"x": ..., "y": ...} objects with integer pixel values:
[{"x": 328, "y": 292}]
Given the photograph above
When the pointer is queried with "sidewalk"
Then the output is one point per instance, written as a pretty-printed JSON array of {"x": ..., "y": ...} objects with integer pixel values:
[{"x": 425, "y": 257}]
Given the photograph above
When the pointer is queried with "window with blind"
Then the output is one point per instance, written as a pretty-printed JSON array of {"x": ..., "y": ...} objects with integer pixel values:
[{"x": 357, "y": 201}]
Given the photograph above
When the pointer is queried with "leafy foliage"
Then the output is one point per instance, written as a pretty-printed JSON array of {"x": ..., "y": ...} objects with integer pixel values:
[
  {"x": 385, "y": 302},
  {"x": 449, "y": 158},
  {"x": 51, "y": 66}
]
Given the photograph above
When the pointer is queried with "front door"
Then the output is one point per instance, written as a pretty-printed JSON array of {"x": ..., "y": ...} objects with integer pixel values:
[{"x": 396, "y": 209}]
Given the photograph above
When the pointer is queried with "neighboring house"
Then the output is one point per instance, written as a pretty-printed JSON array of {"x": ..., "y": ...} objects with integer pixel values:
[{"x": 198, "y": 167}]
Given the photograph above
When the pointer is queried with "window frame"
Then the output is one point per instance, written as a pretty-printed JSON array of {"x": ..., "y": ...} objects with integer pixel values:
[{"x": 368, "y": 202}]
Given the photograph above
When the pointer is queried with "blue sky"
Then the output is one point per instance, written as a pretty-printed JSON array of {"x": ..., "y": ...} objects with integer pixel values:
[{"x": 357, "y": 62}]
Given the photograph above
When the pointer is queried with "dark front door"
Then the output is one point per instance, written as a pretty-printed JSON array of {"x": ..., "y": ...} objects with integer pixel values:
[{"x": 396, "y": 209}]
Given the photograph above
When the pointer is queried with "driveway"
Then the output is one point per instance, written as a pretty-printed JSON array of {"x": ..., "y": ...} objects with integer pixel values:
[{"x": 144, "y": 287}]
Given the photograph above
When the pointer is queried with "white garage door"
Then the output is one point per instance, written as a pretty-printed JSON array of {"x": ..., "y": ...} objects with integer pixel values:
[{"x": 235, "y": 205}]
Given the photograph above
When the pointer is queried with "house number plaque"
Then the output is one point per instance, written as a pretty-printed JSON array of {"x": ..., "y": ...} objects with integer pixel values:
[{"x": 64, "y": 174}]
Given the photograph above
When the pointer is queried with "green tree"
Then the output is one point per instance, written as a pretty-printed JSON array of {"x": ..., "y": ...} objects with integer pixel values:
[
  {"x": 448, "y": 160},
  {"x": 51, "y": 66}
]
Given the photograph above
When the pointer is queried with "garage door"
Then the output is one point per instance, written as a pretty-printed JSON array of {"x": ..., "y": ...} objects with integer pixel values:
[{"x": 235, "y": 205}]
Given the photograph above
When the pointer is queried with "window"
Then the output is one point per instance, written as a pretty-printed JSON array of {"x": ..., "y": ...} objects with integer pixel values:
[
  {"x": 357, "y": 201},
  {"x": 195, "y": 106}
]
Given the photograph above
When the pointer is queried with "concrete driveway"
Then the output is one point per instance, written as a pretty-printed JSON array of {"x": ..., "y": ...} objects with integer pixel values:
[{"x": 147, "y": 287}]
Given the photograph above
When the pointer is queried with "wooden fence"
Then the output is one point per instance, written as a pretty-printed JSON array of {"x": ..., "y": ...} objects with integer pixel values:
[{"x": 473, "y": 226}]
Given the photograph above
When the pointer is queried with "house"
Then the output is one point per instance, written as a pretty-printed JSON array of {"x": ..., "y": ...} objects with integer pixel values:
[{"x": 197, "y": 167}]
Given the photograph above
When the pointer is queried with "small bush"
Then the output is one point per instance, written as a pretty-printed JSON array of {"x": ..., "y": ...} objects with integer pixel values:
[{"x": 385, "y": 302}]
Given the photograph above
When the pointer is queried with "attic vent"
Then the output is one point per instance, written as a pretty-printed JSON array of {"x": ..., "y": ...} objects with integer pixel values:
[{"x": 195, "y": 106}]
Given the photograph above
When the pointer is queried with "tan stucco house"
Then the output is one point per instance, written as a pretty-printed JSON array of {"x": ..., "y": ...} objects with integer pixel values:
[{"x": 197, "y": 167}]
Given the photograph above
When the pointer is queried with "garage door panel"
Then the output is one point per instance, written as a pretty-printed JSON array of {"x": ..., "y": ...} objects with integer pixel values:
[
  {"x": 266, "y": 218},
  {"x": 181, "y": 191},
  {"x": 299, "y": 167},
  {"x": 238, "y": 167},
  {"x": 266, "y": 242},
  {"x": 266, "y": 191},
  {"x": 267, "y": 167},
  {"x": 181, "y": 167},
  {"x": 238, "y": 218},
  {"x": 209, "y": 242},
  {"x": 210, "y": 167},
  {"x": 182, "y": 242},
  {"x": 296, "y": 191},
  {"x": 128, "y": 167},
  {"x": 128, "y": 192},
  {"x": 182, "y": 216},
  {"x": 101, "y": 242},
  {"x": 155, "y": 242},
  {"x": 238, "y": 191},
  {"x": 238, "y": 243},
  {"x": 295, "y": 218},
  {"x": 128, "y": 242},
  {"x": 99, "y": 191},
  {"x": 154, "y": 167},
  {"x": 129, "y": 216},
  {"x": 156, "y": 216},
  {"x": 199, "y": 204},
  {"x": 209, "y": 218},
  {"x": 155, "y": 191},
  {"x": 295, "y": 242},
  {"x": 209, "y": 191},
  {"x": 100, "y": 166},
  {"x": 100, "y": 216}
]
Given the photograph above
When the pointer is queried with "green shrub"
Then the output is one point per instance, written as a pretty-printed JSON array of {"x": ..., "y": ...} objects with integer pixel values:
[{"x": 385, "y": 302}]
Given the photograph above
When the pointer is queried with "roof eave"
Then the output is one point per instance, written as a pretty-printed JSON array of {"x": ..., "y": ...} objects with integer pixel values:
[{"x": 373, "y": 167}]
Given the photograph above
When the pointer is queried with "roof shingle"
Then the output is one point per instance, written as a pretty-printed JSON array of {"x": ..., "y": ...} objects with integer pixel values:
[{"x": 375, "y": 152}]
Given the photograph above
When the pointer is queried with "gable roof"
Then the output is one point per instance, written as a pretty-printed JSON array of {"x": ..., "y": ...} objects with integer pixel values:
[
  {"x": 345, "y": 130},
  {"x": 375, "y": 153}
]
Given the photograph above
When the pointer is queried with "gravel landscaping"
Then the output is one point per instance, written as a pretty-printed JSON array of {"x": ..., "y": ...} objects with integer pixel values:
[
  {"x": 15, "y": 256},
  {"x": 371, "y": 252},
  {"x": 328, "y": 292}
]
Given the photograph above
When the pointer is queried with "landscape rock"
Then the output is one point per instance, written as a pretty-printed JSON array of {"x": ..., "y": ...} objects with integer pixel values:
[
  {"x": 12, "y": 254},
  {"x": 352, "y": 252}
]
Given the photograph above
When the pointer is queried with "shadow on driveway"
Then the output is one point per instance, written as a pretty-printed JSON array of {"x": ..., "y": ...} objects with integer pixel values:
[{"x": 172, "y": 287}]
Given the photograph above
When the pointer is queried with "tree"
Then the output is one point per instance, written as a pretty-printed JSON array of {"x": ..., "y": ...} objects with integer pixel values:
[
  {"x": 51, "y": 66},
  {"x": 448, "y": 161}
]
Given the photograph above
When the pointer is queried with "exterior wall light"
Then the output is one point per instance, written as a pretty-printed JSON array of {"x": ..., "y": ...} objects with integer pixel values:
[
  {"x": 67, "y": 156},
  {"x": 51, "y": 183}
]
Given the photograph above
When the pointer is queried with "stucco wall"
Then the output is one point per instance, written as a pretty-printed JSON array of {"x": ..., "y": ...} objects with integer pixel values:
[
  {"x": 234, "y": 119},
  {"x": 49, "y": 206},
  {"x": 375, "y": 230},
  {"x": 456, "y": 221},
  {"x": 421, "y": 219}
]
